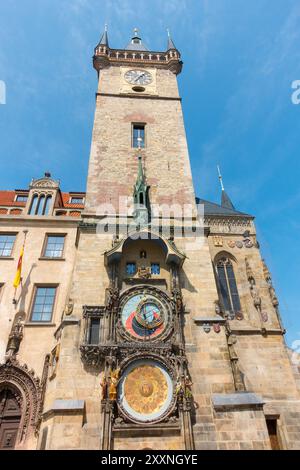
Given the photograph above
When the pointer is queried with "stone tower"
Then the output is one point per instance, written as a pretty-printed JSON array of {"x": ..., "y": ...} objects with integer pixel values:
[{"x": 171, "y": 336}]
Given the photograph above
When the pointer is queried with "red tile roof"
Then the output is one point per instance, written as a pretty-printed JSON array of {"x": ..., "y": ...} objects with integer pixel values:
[{"x": 7, "y": 199}]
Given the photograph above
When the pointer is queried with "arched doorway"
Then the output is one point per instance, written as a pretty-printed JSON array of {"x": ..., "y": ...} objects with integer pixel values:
[{"x": 10, "y": 418}]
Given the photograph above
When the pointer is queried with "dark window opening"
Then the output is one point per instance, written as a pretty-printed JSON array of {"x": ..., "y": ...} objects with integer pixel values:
[
  {"x": 94, "y": 331},
  {"x": 273, "y": 433}
]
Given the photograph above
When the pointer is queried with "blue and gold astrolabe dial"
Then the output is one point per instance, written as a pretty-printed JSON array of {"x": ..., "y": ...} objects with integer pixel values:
[{"x": 143, "y": 316}]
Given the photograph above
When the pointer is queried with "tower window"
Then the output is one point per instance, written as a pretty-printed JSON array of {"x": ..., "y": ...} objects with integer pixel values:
[
  {"x": 138, "y": 136},
  {"x": 228, "y": 287},
  {"x": 155, "y": 268},
  {"x": 131, "y": 268}
]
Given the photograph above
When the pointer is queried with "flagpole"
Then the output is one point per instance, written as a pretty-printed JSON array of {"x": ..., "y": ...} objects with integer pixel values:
[{"x": 20, "y": 267}]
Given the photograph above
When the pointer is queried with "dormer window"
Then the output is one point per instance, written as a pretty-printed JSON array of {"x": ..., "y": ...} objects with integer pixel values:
[
  {"x": 21, "y": 198},
  {"x": 76, "y": 200}
]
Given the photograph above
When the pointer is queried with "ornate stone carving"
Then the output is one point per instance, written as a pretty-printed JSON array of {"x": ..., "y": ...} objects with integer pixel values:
[
  {"x": 18, "y": 377},
  {"x": 68, "y": 310}
]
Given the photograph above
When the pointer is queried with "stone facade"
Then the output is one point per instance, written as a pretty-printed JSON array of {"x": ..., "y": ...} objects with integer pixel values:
[{"x": 211, "y": 367}]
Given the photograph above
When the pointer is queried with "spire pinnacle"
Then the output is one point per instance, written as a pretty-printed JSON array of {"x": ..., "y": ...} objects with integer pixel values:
[
  {"x": 220, "y": 178},
  {"x": 104, "y": 38},
  {"x": 171, "y": 44},
  {"x": 225, "y": 200}
]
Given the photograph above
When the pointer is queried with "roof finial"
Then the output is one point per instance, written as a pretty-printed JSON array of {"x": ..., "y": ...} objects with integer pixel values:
[
  {"x": 168, "y": 31},
  {"x": 105, "y": 27},
  {"x": 220, "y": 178},
  {"x": 135, "y": 31}
]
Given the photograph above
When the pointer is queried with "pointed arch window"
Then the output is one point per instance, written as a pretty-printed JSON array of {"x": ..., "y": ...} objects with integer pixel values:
[{"x": 228, "y": 286}]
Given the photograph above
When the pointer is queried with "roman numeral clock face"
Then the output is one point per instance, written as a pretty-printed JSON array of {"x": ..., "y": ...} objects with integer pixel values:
[{"x": 138, "y": 77}]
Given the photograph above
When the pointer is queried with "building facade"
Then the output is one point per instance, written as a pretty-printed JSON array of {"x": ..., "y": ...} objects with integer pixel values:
[{"x": 146, "y": 317}]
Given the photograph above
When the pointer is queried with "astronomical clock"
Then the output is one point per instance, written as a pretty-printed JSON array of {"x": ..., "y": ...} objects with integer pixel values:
[{"x": 136, "y": 340}]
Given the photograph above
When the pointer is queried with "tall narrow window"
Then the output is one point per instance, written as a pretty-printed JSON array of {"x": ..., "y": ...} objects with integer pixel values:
[
  {"x": 138, "y": 135},
  {"x": 34, "y": 202},
  {"x": 228, "y": 287},
  {"x": 42, "y": 309},
  {"x": 54, "y": 246},
  {"x": 6, "y": 244},
  {"x": 94, "y": 331},
  {"x": 40, "y": 207},
  {"x": 47, "y": 205}
]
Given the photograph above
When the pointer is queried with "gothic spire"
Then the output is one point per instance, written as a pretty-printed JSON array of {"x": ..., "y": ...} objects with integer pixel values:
[
  {"x": 171, "y": 44},
  {"x": 225, "y": 200},
  {"x": 104, "y": 38}
]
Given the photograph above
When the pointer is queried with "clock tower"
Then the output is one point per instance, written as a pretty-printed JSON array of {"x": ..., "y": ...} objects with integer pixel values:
[{"x": 141, "y": 228}]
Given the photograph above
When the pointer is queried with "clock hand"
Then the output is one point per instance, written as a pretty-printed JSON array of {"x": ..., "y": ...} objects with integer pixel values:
[{"x": 140, "y": 76}]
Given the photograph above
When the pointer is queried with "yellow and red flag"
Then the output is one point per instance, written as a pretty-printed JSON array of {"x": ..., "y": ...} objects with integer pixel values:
[{"x": 17, "y": 279}]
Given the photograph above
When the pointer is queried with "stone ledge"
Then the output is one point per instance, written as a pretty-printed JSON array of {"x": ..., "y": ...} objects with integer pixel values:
[
  {"x": 66, "y": 406},
  {"x": 216, "y": 319},
  {"x": 223, "y": 402},
  {"x": 71, "y": 320}
]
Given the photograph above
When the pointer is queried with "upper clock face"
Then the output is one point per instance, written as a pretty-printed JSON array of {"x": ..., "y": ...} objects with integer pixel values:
[
  {"x": 138, "y": 77},
  {"x": 143, "y": 316}
]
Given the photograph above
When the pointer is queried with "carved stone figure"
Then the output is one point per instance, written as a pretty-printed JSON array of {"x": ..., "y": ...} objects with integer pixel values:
[
  {"x": 114, "y": 380},
  {"x": 188, "y": 387},
  {"x": 112, "y": 298},
  {"x": 104, "y": 386},
  {"x": 144, "y": 272},
  {"x": 69, "y": 308},
  {"x": 16, "y": 335}
]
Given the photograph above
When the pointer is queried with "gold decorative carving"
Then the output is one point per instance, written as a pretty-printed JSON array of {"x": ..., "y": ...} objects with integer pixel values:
[
  {"x": 144, "y": 272},
  {"x": 146, "y": 389},
  {"x": 218, "y": 241}
]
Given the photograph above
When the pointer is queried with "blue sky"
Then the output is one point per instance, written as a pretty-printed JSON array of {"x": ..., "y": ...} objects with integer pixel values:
[{"x": 240, "y": 59}]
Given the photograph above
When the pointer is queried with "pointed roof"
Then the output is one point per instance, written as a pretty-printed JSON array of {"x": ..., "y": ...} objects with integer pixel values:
[
  {"x": 104, "y": 39},
  {"x": 226, "y": 201},
  {"x": 136, "y": 43},
  {"x": 211, "y": 208},
  {"x": 171, "y": 44}
]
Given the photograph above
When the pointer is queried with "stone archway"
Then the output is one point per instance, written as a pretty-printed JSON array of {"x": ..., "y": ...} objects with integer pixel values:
[{"x": 21, "y": 394}]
